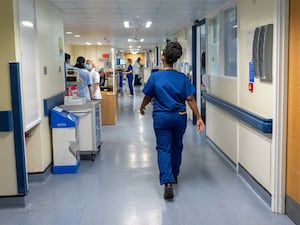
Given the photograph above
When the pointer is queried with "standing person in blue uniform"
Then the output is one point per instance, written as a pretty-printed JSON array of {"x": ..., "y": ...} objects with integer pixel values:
[
  {"x": 84, "y": 86},
  {"x": 170, "y": 90},
  {"x": 129, "y": 75}
]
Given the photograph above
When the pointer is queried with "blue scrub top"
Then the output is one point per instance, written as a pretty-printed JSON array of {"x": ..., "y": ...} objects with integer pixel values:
[
  {"x": 170, "y": 89},
  {"x": 129, "y": 68},
  {"x": 84, "y": 82}
]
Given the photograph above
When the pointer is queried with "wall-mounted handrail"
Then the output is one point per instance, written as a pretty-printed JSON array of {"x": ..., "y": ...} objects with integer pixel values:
[
  {"x": 52, "y": 101},
  {"x": 262, "y": 124}
]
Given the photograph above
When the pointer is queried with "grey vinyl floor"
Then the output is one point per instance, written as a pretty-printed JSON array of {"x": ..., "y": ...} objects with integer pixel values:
[{"x": 121, "y": 187}]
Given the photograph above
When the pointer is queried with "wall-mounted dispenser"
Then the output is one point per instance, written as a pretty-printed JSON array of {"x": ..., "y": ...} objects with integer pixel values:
[{"x": 262, "y": 52}]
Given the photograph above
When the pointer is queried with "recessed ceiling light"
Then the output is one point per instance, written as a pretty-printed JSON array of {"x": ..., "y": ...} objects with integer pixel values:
[
  {"x": 77, "y": 35},
  {"x": 126, "y": 24},
  {"x": 148, "y": 24},
  {"x": 27, "y": 24},
  {"x": 68, "y": 32}
]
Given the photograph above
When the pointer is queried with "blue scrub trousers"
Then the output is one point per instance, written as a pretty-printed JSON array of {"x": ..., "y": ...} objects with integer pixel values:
[
  {"x": 130, "y": 79},
  {"x": 169, "y": 129}
]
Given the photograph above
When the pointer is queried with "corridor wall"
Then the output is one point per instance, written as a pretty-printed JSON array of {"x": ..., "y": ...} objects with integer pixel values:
[
  {"x": 243, "y": 145},
  {"x": 8, "y": 52}
]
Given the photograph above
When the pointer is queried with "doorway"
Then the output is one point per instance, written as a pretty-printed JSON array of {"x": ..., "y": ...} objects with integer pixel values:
[{"x": 199, "y": 64}]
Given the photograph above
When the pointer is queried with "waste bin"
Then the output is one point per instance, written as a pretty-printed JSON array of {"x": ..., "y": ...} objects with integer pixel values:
[{"x": 65, "y": 141}]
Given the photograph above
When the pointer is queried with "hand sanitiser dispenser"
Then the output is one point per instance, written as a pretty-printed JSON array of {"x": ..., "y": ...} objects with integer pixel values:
[{"x": 262, "y": 52}]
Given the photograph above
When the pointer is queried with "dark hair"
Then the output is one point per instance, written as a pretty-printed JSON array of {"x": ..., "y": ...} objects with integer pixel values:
[
  {"x": 67, "y": 57},
  {"x": 172, "y": 52},
  {"x": 80, "y": 62}
]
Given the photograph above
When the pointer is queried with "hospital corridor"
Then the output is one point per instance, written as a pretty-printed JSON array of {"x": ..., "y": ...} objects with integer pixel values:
[{"x": 121, "y": 187}]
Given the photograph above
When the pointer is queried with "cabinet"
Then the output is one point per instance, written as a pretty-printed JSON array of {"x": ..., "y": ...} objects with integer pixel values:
[
  {"x": 109, "y": 108},
  {"x": 89, "y": 128}
]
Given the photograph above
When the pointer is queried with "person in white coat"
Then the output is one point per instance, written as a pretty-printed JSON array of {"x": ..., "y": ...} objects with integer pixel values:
[{"x": 95, "y": 78}]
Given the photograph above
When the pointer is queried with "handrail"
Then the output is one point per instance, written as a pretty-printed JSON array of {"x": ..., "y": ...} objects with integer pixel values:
[
  {"x": 52, "y": 101},
  {"x": 262, "y": 124}
]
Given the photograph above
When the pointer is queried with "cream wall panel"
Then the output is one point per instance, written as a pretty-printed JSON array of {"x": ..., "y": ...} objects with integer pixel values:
[
  {"x": 93, "y": 52},
  {"x": 250, "y": 15},
  {"x": 221, "y": 128},
  {"x": 255, "y": 154},
  {"x": 224, "y": 88},
  {"x": 8, "y": 180},
  {"x": 49, "y": 21}
]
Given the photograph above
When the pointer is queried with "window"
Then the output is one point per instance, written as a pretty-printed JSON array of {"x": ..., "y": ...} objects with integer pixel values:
[
  {"x": 213, "y": 46},
  {"x": 222, "y": 43},
  {"x": 230, "y": 42}
]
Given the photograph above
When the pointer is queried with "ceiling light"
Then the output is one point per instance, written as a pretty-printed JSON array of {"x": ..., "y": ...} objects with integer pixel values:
[
  {"x": 27, "y": 24},
  {"x": 148, "y": 24},
  {"x": 129, "y": 40},
  {"x": 142, "y": 39},
  {"x": 99, "y": 43},
  {"x": 68, "y": 32},
  {"x": 126, "y": 24},
  {"x": 77, "y": 35},
  {"x": 88, "y": 43}
]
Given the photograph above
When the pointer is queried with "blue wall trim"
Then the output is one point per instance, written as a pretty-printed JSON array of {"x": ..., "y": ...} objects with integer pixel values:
[
  {"x": 14, "y": 69},
  {"x": 262, "y": 124},
  {"x": 50, "y": 102},
  {"x": 6, "y": 121}
]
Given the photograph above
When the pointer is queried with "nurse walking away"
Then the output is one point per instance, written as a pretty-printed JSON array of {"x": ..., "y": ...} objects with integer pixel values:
[
  {"x": 84, "y": 86},
  {"x": 170, "y": 89}
]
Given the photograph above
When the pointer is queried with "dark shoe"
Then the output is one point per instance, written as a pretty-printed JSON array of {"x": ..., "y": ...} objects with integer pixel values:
[
  {"x": 168, "y": 191},
  {"x": 175, "y": 180}
]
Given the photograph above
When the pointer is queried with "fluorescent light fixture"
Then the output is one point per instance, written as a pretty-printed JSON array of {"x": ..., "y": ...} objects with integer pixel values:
[
  {"x": 148, "y": 24},
  {"x": 27, "y": 24},
  {"x": 99, "y": 43},
  {"x": 142, "y": 39},
  {"x": 88, "y": 43},
  {"x": 129, "y": 40},
  {"x": 68, "y": 32},
  {"x": 126, "y": 24},
  {"x": 77, "y": 35}
]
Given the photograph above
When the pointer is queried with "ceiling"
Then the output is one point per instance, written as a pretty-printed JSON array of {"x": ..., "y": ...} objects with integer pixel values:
[{"x": 102, "y": 20}]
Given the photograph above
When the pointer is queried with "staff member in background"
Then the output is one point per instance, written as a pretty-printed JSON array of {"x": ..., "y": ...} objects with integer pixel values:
[
  {"x": 170, "y": 90},
  {"x": 84, "y": 85},
  {"x": 137, "y": 67},
  {"x": 129, "y": 75},
  {"x": 95, "y": 78}
]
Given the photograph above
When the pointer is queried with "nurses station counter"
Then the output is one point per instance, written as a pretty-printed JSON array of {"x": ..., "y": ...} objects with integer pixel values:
[
  {"x": 109, "y": 107},
  {"x": 65, "y": 141},
  {"x": 89, "y": 128}
]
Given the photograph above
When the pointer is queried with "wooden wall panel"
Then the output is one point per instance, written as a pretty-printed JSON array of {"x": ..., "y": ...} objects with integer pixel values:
[{"x": 293, "y": 138}]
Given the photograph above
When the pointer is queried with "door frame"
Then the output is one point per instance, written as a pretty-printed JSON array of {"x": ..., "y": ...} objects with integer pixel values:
[{"x": 280, "y": 68}]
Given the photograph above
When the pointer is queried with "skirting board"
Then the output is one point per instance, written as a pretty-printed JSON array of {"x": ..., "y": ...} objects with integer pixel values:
[
  {"x": 13, "y": 202},
  {"x": 292, "y": 210},
  {"x": 262, "y": 193},
  {"x": 40, "y": 177}
]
